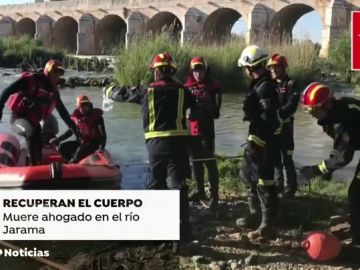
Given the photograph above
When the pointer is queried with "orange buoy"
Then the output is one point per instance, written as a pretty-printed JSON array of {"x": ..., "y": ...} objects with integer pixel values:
[{"x": 321, "y": 246}]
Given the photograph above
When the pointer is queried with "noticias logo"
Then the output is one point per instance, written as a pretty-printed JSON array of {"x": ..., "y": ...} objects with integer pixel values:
[{"x": 24, "y": 252}]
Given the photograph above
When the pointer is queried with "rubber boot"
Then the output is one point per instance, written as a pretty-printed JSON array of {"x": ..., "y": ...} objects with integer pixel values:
[
  {"x": 266, "y": 229},
  {"x": 214, "y": 204},
  {"x": 253, "y": 219},
  {"x": 214, "y": 200},
  {"x": 279, "y": 179},
  {"x": 291, "y": 177}
]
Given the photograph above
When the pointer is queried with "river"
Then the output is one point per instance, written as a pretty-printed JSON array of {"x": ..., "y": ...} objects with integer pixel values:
[
  {"x": 126, "y": 139},
  {"x": 126, "y": 145}
]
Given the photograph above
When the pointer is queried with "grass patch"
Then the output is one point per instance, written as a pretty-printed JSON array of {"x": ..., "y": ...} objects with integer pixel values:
[
  {"x": 230, "y": 183},
  {"x": 14, "y": 50},
  {"x": 133, "y": 64}
]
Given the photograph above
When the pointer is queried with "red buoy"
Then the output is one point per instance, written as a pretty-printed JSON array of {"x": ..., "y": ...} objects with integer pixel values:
[{"x": 321, "y": 246}]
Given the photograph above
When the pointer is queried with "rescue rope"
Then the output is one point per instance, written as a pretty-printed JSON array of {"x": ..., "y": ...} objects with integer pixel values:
[
  {"x": 39, "y": 259},
  {"x": 192, "y": 160},
  {"x": 208, "y": 159}
]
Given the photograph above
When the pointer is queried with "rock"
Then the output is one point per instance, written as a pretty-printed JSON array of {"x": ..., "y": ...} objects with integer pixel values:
[
  {"x": 196, "y": 258},
  {"x": 199, "y": 259},
  {"x": 221, "y": 237},
  {"x": 252, "y": 259},
  {"x": 97, "y": 81},
  {"x": 339, "y": 219},
  {"x": 340, "y": 230},
  {"x": 214, "y": 266},
  {"x": 224, "y": 229},
  {"x": 222, "y": 264},
  {"x": 295, "y": 244},
  {"x": 119, "y": 256},
  {"x": 234, "y": 266}
]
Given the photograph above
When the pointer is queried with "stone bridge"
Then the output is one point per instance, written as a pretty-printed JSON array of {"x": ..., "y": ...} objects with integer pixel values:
[{"x": 90, "y": 27}]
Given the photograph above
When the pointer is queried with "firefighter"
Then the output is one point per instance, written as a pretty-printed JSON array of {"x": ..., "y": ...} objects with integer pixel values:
[
  {"x": 289, "y": 97},
  {"x": 257, "y": 170},
  {"x": 32, "y": 98},
  {"x": 164, "y": 107},
  {"x": 340, "y": 119},
  {"x": 90, "y": 124},
  {"x": 202, "y": 145}
]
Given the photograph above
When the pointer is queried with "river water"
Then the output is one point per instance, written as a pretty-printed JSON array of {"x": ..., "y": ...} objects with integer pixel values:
[
  {"x": 126, "y": 140},
  {"x": 126, "y": 145}
]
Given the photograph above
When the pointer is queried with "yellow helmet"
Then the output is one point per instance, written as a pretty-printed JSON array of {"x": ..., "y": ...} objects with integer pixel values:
[{"x": 252, "y": 55}]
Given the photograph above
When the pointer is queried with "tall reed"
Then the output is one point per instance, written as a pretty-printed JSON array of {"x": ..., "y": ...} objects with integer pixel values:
[{"x": 132, "y": 65}]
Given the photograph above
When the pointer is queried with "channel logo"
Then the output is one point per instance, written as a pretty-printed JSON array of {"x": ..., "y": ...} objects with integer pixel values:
[{"x": 24, "y": 252}]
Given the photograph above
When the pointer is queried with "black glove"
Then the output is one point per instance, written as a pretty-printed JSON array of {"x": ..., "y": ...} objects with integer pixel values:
[
  {"x": 310, "y": 172},
  {"x": 77, "y": 134},
  {"x": 327, "y": 177}
]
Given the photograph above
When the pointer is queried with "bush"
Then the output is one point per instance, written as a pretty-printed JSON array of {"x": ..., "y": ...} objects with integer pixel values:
[
  {"x": 340, "y": 60},
  {"x": 14, "y": 50},
  {"x": 340, "y": 55},
  {"x": 133, "y": 64}
]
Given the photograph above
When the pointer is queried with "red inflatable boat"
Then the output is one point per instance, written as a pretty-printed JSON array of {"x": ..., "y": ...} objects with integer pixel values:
[{"x": 93, "y": 172}]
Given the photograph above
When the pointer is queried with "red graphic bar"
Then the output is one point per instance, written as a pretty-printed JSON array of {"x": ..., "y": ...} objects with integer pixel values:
[{"x": 355, "y": 40}]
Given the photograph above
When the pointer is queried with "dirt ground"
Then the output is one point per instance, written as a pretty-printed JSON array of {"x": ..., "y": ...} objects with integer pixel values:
[{"x": 218, "y": 245}]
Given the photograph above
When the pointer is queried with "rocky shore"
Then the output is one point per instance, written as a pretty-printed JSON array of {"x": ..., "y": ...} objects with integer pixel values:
[{"x": 218, "y": 245}]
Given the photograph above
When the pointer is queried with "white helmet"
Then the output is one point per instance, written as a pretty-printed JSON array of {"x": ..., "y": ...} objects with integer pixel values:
[{"x": 252, "y": 55}]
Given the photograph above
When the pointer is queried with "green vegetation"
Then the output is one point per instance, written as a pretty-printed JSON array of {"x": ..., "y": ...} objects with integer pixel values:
[
  {"x": 133, "y": 64},
  {"x": 230, "y": 184},
  {"x": 15, "y": 50},
  {"x": 340, "y": 60}
]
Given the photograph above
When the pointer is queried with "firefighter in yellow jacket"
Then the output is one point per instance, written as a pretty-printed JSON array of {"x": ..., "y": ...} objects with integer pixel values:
[{"x": 164, "y": 107}]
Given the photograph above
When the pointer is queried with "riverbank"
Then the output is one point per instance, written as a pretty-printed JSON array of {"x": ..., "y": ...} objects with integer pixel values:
[
  {"x": 25, "y": 53},
  {"x": 218, "y": 245},
  {"x": 131, "y": 66}
]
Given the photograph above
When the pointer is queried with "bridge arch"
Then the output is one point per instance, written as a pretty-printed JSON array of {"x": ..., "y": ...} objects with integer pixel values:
[
  {"x": 111, "y": 31},
  {"x": 219, "y": 23},
  {"x": 165, "y": 21},
  {"x": 65, "y": 31},
  {"x": 25, "y": 26},
  {"x": 7, "y": 25},
  {"x": 284, "y": 20}
]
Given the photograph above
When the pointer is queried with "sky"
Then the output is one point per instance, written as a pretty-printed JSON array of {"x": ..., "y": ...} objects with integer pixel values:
[{"x": 307, "y": 27}]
